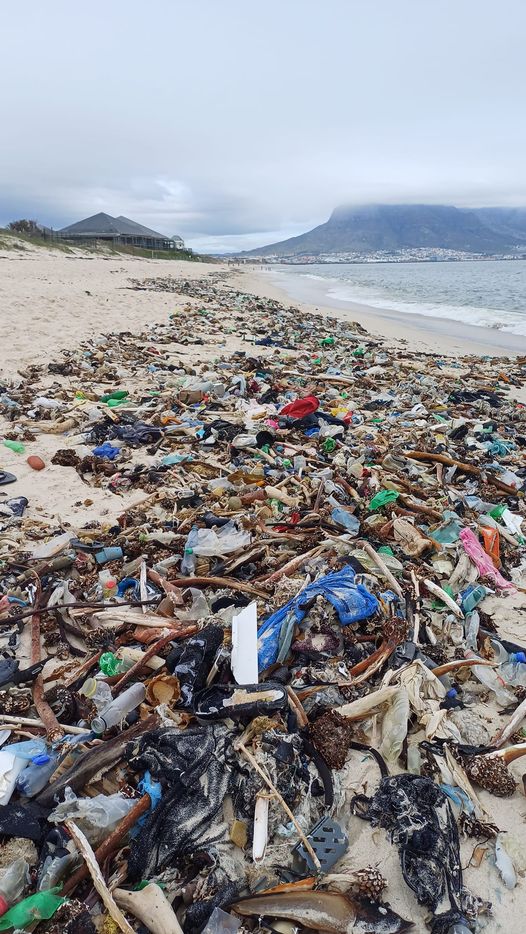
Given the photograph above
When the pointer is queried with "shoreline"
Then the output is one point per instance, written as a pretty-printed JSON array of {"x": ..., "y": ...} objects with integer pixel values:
[{"x": 423, "y": 333}]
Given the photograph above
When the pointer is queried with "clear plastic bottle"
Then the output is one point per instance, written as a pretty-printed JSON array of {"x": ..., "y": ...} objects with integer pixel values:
[
  {"x": 37, "y": 775},
  {"x": 108, "y": 584},
  {"x": 513, "y": 671},
  {"x": 12, "y": 884},
  {"x": 119, "y": 708},
  {"x": 490, "y": 679},
  {"x": 188, "y": 562},
  {"x": 97, "y": 691},
  {"x": 471, "y": 627}
]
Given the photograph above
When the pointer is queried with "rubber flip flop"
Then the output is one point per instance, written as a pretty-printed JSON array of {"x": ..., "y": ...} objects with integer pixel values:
[{"x": 6, "y": 477}]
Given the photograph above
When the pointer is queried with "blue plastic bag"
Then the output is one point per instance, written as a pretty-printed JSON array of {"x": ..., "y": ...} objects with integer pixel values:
[{"x": 351, "y": 601}]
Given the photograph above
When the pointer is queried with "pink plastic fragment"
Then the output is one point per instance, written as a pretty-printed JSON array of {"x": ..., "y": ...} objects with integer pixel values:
[{"x": 485, "y": 565}]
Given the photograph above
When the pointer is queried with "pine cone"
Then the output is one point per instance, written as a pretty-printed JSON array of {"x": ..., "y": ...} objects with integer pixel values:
[
  {"x": 368, "y": 883},
  {"x": 492, "y": 774}
]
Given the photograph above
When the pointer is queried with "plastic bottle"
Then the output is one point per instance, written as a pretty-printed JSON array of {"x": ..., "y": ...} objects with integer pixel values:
[
  {"x": 119, "y": 708},
  {"x": 188, "y": 562},
  {"x": 490, "y": 679},
  {"x": 15, "y": 446},
  {"x": 113, "y": 553},
  {"x": 97, "y": 691},
  {"x": 12, "y": 884},
  {"x": 36, "y": 776},
  {"x": 471, "y": 627},
  {"x": 472, "y": 596},
  {"x": 108, "y": 584},
  {"x": 513, "y": 671}
]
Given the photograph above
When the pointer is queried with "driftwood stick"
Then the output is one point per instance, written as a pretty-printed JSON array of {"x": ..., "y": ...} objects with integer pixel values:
[
  {"x": 88, "y": 855},
  {"x": 460, "y": 465}
]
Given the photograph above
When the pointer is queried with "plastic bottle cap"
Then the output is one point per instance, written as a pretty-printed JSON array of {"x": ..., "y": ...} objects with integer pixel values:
[
  {"x": 520, "y": 657},
  {"x": 98, "y": 725},
  {"x": 451, "y": 693},
  {"x": 41, "y": 760},
  {"x": 89, "y": 687},
  {"x": 4, "y": 906}
]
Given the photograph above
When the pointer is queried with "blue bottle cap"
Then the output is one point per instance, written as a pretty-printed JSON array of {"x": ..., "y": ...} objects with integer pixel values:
[
  {"x": 451, "y": 693},
  {"x": 41, "y": 760},
  {"x": 520, "y": 657}
]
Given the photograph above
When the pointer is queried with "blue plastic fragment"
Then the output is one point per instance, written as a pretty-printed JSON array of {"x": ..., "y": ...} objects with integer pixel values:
[
  {"x": 351, "y": 601},
  {"x": 107, "y": 451}
]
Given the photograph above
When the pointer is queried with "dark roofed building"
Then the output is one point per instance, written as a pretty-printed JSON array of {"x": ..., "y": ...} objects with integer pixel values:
[{"x": 119, "y": 230}]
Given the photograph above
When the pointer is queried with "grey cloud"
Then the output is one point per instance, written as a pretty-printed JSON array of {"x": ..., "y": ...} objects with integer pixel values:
[{"x": 237, "y": 124}]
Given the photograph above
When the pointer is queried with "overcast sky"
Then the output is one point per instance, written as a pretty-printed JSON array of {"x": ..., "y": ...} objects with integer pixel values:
[{"x": 236, "y": 123}]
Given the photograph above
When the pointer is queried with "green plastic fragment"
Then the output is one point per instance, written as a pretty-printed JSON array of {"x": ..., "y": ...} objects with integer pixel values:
[
  {"x": 385, "y": 550},
  {"x": 113, "y": 403},
  {"x": 15, "y": 446},
  {"x": 117, "y": 394},
  {"x": 38, "y": 907},
  {"x": 110, "y": 665},
  {"x": 497, "y": 511},
  {"x": 328, "y": 341},
  {"x": 383, "y": 498},
  {"x": 328, "y": 445}
]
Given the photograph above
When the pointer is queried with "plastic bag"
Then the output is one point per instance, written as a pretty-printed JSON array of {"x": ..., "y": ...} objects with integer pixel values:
[
  {"x": 383, "y": 498},
  {"x": 351, "y": 601},
  {"x": 394, "y": 726},
  {"x": 37, "y": 907},
  {"x": 220, "y": 922},
  {"x": 483, "y": 562},
  {"x": 103, "y": 811},
  {"x": 199, "y": 609},
  {"x": 229, "y": 538}
]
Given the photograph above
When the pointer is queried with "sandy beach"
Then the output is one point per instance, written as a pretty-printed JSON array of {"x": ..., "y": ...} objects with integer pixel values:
[{"x": 53, "y": 301}]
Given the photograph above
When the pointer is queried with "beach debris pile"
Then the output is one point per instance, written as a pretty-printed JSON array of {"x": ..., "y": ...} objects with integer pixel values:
[{"x": 285, "y": 689}]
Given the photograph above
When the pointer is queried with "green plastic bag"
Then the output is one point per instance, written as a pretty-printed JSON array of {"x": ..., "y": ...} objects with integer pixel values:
[
  {"x": 383, "y": 498},
  {"x": 110, "y": 665},
  {"x": 38, "y": 907}
]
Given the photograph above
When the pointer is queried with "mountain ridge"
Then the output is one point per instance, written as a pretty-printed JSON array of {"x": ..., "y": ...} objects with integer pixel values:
[{"x": 396, "y": 227}]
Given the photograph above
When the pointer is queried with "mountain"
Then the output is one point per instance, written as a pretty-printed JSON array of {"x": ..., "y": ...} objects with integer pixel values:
[
  {"x": 508, "y": 221},
  {"x": 395, "y": 227}
]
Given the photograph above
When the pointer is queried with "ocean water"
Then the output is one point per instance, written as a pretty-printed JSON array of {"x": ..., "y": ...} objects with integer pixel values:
[{"x": 489, "y": 294}]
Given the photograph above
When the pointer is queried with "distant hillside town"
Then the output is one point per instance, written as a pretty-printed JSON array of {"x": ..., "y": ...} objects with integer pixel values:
[{"x": 389, "y": 233}]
